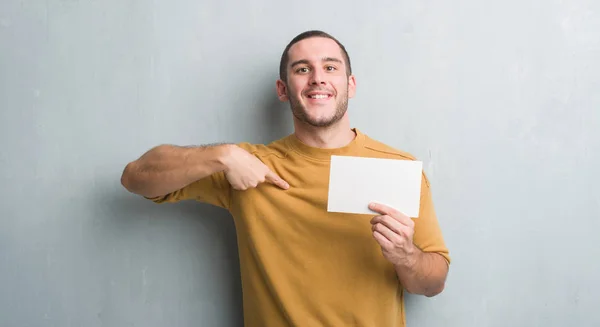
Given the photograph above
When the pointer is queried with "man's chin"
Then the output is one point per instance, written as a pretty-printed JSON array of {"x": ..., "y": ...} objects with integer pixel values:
[
  {"x": 320, "y": 121},
  {"x": 314, "y": 115}
]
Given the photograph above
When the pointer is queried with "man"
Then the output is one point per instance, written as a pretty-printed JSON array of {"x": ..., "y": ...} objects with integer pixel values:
[{"x": 301, "y": 265}]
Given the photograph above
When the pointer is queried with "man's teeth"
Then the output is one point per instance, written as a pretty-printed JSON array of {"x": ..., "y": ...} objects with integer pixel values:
[{"x": 318, "y": 96}]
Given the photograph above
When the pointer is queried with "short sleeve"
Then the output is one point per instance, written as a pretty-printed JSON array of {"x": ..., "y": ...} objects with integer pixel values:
[
  {"x": 213, "y": 189},
  {"x": 428, "y": 234}
]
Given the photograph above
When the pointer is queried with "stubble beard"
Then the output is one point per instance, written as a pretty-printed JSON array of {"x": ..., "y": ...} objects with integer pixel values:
[{"x": 300, "y": 112}]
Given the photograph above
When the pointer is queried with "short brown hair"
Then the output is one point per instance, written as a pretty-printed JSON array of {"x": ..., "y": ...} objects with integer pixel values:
[{"x": 305, "y": 35}]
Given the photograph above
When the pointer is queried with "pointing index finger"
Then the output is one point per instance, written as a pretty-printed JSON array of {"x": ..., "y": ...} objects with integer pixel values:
[{"x": 273, "y": 178}]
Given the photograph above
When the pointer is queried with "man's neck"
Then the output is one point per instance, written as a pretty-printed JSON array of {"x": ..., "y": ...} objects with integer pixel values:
[{"x": 335, "y": 136}]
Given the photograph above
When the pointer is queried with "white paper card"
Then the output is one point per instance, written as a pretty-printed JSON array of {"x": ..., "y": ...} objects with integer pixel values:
[{"x": 354, "y": 182}]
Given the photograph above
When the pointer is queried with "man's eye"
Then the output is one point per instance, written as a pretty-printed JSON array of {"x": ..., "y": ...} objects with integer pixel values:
[
  {"x": 302, "y": 70},
  {"x": 330, "y": 68}
]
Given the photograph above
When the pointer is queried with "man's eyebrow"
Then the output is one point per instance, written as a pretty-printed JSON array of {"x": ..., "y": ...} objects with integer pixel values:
[
  {"x": 306, "y": 62},
  {"x": 301, "y": 61}
]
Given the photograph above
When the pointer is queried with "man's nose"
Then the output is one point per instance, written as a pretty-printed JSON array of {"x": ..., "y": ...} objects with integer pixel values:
[{"x": 317, "y": 78}]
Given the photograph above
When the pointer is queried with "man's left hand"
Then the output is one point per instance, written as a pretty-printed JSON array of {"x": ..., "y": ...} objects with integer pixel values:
[{"x": 394, "y": 232}]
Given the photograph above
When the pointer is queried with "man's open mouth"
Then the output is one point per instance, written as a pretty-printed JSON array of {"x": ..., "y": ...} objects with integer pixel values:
[{"x": 319, "y": 96}]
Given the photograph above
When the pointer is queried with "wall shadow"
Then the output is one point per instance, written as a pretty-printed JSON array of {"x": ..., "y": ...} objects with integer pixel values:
[
  {"x": 189, "y": 239},
  {"x": 274, "y": 118}
]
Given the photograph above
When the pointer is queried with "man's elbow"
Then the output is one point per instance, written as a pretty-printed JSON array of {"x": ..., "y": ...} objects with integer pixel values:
[
  {"x": 438, "y": 283},
  {"x": 430, "y": 291},
  {"x": 433, "y": 291},
  {"x": 126, "y": 177}
]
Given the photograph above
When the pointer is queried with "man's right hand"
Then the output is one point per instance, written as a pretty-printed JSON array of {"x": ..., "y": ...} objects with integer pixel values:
[{"x": 245, "y": 171}]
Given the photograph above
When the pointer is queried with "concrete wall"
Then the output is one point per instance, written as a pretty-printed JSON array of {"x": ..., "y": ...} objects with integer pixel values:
[{"x": 499, "y": 99}]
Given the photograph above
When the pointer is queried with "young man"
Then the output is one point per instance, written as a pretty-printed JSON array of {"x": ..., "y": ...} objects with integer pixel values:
[{"x": 301, "y": 265}]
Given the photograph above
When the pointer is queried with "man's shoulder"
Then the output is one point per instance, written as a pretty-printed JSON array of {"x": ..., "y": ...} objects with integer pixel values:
[
  {"x": 278, "y": 148},
  {"x": 377, "y": 148}
]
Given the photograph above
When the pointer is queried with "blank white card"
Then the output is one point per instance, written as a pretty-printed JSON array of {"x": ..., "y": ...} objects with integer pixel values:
[{"x": 354, "y": 182}]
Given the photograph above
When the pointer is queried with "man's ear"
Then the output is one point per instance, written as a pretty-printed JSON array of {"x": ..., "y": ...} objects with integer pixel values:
[
  {"x": 351, "y": 86},
  {"x": 281, "y": 91}
]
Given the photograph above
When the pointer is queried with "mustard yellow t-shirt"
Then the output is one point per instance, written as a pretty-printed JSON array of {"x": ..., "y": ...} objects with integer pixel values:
[{"x": 301, "y": 265}]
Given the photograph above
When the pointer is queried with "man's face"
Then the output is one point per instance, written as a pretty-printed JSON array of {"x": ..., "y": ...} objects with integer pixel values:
[{"x": 318, "y": 86}]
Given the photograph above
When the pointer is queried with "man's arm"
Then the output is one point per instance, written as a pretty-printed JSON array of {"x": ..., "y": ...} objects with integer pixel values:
[
  {"x": 166, "y": 168},
  {"x": 423, "y": 273},
  {"x": 419, "y": 272}
]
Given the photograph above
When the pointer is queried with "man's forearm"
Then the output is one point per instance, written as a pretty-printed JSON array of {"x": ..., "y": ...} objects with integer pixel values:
[
  {"x": 167, "y": 168},
  {"x": 425, "y": 273}
]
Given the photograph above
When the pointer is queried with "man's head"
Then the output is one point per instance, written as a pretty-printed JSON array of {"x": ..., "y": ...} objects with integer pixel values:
[{"x": 316, "y": 77}]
